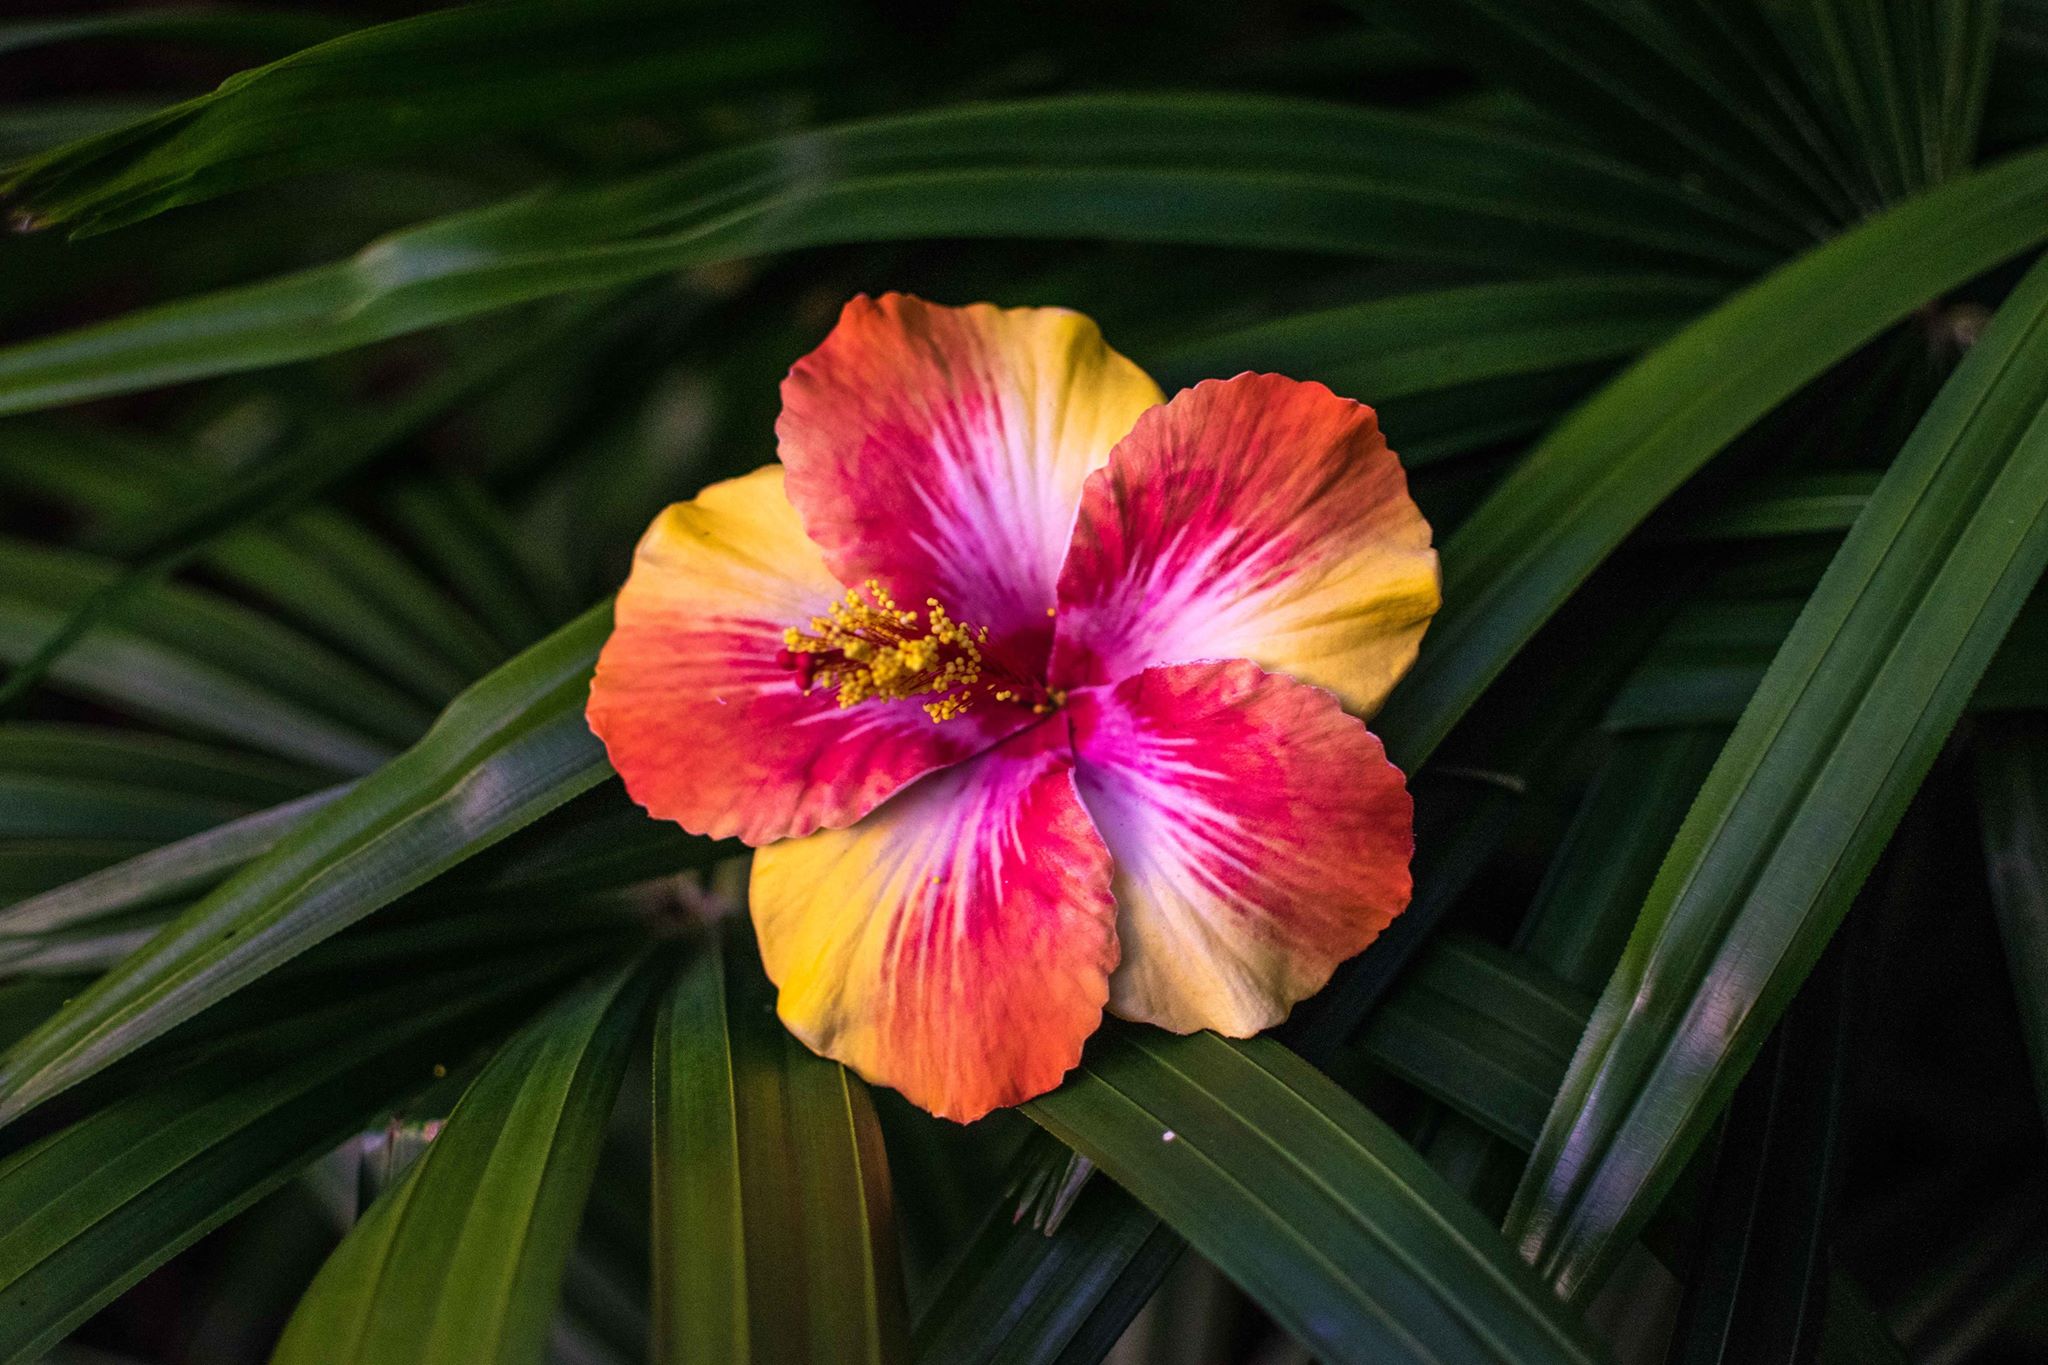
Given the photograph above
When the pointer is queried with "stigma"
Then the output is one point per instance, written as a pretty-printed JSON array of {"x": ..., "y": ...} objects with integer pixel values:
[{"x": 866, "y": 647}]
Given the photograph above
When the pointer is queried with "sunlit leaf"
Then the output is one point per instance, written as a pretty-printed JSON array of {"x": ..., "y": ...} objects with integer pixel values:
[
  {"x": 461, "y": 1261},
  {"x": 774, "y": 1238},
  {"x": 1802, "y": 799}
]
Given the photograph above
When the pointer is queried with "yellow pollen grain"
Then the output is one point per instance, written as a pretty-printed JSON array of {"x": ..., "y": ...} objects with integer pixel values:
[{"x": 884, "y": 653}]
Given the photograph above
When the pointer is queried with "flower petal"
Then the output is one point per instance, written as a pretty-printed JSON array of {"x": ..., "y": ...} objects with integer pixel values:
[
  {"x": 942, "y": 451},
  {"x": 957, "y": 943},
  {"x": 706, "y": 728},
  {"x": 1260, "y": 838},
  {"x": 1257, "y": 517}
]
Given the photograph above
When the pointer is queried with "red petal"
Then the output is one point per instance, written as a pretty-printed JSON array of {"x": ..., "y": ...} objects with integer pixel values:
[
  {"x": 1259, "y": 833},
  {"x": 706, "y": 727},
  {"x": 942, "y": 451},
  {"x": 957, "y": 943},
  {"x": 1257, "y": 518}
]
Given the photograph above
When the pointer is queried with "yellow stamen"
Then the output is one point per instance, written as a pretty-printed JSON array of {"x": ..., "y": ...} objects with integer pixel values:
[{"x": 868, "y": 648}]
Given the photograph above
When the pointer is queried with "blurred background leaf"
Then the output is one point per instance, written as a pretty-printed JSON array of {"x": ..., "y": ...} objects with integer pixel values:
[{"x": 346, "y": 352}]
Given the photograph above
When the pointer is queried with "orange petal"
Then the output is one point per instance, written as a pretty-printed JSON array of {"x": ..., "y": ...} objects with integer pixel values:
[
  {"x": 706, "y": 728},
  {"x": 957, "y": 943},
  {"x": 1258, "y": 518},
  {"x": 1259, "y": 833},
  {"x": 943, "y": 450}
]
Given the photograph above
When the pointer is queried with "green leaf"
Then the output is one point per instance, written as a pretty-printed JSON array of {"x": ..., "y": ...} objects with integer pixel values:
[
  {"x": 1802, "y": 799},
  {"x": 275, "y": 565},
  {"x": 462, "y": 533},
  {"x": 1903, "y": 84},
  {"x": 511, "y": 748},
  {"x": 1596, "y": 882},
  {"x": 233, "y": 28},
  {"x": 1706, "y": 665},
  {"x": 1313, "y": 1206},
  {"x": 387, "y": 581},
  {"x": 460, "y": 1263},
  {"x": 185, "y": 657},
  {"x": 2012, "y": 798},
  {"x": 1471, "y": 1020},
  {"x": 30, "y": 868},
  {"x": 1757, "y": 1290},
  {"x": 89, "y": 948},
  {"x": 80, "y": 809},
  {"x": 774, "y": 1239},
  {"x": 1219, "y": 171},
  {"x": 596, "y": 842},
  {"x": 100, "y": 753},
  {"x": 28, "y": 130},
  {"x": 319, "y": 564},
  {"x": 1712, "y": 657},
  {"x": 157, "y": 545},
  {"x": 1780, "y": 1199},
  {"x": 442, "y": 77},
  {"x": 1598, "y": 475},
  {"x": 1020, "y": 1296},
  {"x": 1488, "y": 415},
  {"x": 1851, "y": 1330},
  {"x": 162, "y": 874},
  {"x": 1687, "y": 96},
  {"x": 1438, "y": 339},
  {"x": 34, "y": 807},
  {"x": 97, "y": 1205},
  {"x": 1792, "y": 505}
]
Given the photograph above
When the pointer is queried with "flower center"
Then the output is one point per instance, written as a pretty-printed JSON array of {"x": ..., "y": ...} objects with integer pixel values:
[{"x": 868, "y": 648}]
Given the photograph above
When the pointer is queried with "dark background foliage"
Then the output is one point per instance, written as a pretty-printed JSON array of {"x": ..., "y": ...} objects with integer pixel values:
[{"x": 1709, "y": 334}]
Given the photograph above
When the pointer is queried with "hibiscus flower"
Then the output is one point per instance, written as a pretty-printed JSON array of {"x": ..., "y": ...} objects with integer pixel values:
[{"x": 1036, "y": 693}]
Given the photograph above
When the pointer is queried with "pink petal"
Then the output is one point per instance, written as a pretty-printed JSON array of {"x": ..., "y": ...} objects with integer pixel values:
[
  {"x": 1259, "y": 518},
  {"x": 1260, "y": 838},
  {"x": 957, "y": 943},
  {"x": 702, "y": 722},
  {"x": 942, "y": 451}
]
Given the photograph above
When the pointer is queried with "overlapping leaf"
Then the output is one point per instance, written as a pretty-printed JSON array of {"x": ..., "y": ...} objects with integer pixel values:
[
  {"x": 1225, "y": 172},
  {"x": 461, "y": 1261},
  {"x": 1313, "y": 1206},
  {"x": 774, "y": 1238},
  {"x": 1803, "y": 797},
  {"x": 439, "y": 77},
  {"x": 95, "y": 1206},
  {"x": 1595, "y": 478},
  {"x": 508, "y": 750}
]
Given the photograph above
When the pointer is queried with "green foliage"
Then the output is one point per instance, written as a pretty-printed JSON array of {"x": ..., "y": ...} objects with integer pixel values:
[
  {"x": 460, "y": 1260},
  {"x": 1298, "y": 1193},
  {"x": 1845, "y": 724},
  {"x": 347, "y": 354},
  {"x": 774, "y": 1229},
  {"x": 1599, "y": 473}
]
